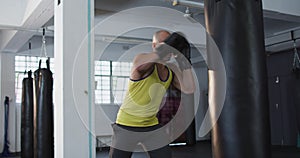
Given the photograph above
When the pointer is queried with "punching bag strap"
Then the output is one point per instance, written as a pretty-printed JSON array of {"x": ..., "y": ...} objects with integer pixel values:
[
  {"x": 296, "y": 61},
  {"x": 48, "y": 63},
  {"x": 40, "y": 63},
  {"x": 29, "y": 74}
]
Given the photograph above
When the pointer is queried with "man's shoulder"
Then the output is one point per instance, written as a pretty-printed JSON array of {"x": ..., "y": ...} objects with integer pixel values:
[{"x": 172, "y": 66}]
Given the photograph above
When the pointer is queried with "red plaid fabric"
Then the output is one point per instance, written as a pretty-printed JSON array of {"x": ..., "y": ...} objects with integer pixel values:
[{"x": 168, "y": 110}]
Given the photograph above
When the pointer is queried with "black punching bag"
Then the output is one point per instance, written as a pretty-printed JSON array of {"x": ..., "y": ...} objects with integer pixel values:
[
  {"x": 5, "y": 152},
  {"x": 297, "y": 101},
  {"x": 27, "y": 140},
  {"x": 189, "y": 110},
  {"x": 236, "y": 27},
  {"x": 44, "y": 127}
]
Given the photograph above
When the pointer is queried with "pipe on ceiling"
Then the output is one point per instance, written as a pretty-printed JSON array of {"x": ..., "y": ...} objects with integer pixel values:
[
  {"x": 187, "y": 3},
  {"x": 16, "y": 28}
]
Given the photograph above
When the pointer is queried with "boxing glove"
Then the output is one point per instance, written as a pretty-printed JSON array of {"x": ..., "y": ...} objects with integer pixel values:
[
  {"x": 180, "y": 43},
  {"x": 163, "y": 49},
  {"x": 175, "y": 44},
  {"x": 177, "y": 41}
]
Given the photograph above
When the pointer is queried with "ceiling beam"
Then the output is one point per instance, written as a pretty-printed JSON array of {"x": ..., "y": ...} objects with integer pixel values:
[
  {"x": 281, "y": 16},
  {"x": 33, "y": 20},
  {"x": 12, "y": 12},
  {"x": 186, "y": 3}
]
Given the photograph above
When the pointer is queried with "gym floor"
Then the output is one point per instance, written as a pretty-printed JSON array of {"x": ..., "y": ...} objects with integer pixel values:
[{"x": 203, "y": 149}]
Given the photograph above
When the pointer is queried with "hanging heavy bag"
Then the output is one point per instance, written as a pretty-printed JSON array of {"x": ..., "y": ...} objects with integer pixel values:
[
  {"x": 5, "y": 152},
  {"x": 236, "y": 27},
  {"x": 27, "y": 140},
  {"x": 44, "y": 128}
]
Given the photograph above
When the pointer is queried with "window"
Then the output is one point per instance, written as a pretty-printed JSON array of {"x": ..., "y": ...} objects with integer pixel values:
[
  {"x": 24, "y": 64},
  {"x": 111, "y": 81},
  {"x": 111, "y": 78}
]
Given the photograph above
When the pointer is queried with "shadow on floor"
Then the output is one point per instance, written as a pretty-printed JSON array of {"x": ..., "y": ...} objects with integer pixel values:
[{"x": 203, "y": 149}]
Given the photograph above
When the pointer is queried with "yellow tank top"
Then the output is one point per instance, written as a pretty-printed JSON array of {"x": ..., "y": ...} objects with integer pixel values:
[{"x": 143, "y": 99}]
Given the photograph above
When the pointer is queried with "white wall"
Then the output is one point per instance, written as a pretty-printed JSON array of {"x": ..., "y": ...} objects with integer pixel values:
[
  {"x": 283, "y": 6},
  {"x": 74, "y": 101},
  {"x": 8, "y": 89},
  {"x": 105, "y": 115},
  {"x": 12, "y": 12}
]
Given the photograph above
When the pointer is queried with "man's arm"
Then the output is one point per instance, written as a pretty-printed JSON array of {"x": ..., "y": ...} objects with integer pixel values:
[
  {"x": 183, "y": 79},
  {"x": 178, "y": 45},
  {"x": 143, "y": 64}
]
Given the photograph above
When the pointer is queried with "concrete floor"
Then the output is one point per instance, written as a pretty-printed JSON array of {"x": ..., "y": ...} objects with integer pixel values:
[{"x": 203, "y": 150}]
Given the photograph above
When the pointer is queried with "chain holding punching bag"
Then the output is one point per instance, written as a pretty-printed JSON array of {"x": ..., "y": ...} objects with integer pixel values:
[
  {"x": 236, "y": 27},
  {"x": 44, "y": 127},
  {"x": 27, "y": 140}
]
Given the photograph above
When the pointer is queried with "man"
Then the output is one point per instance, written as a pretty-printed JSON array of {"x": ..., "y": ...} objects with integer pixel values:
[{"x": 149, "y": 79}]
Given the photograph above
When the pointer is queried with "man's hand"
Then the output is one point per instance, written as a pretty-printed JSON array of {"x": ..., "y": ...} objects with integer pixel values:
[
  {"x": 183, "y": 62},
  {"x": 163, "y": 50}
]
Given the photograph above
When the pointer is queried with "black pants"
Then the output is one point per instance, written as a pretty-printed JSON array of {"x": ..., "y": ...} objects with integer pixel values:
[{"x": 126, "y": 140}]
